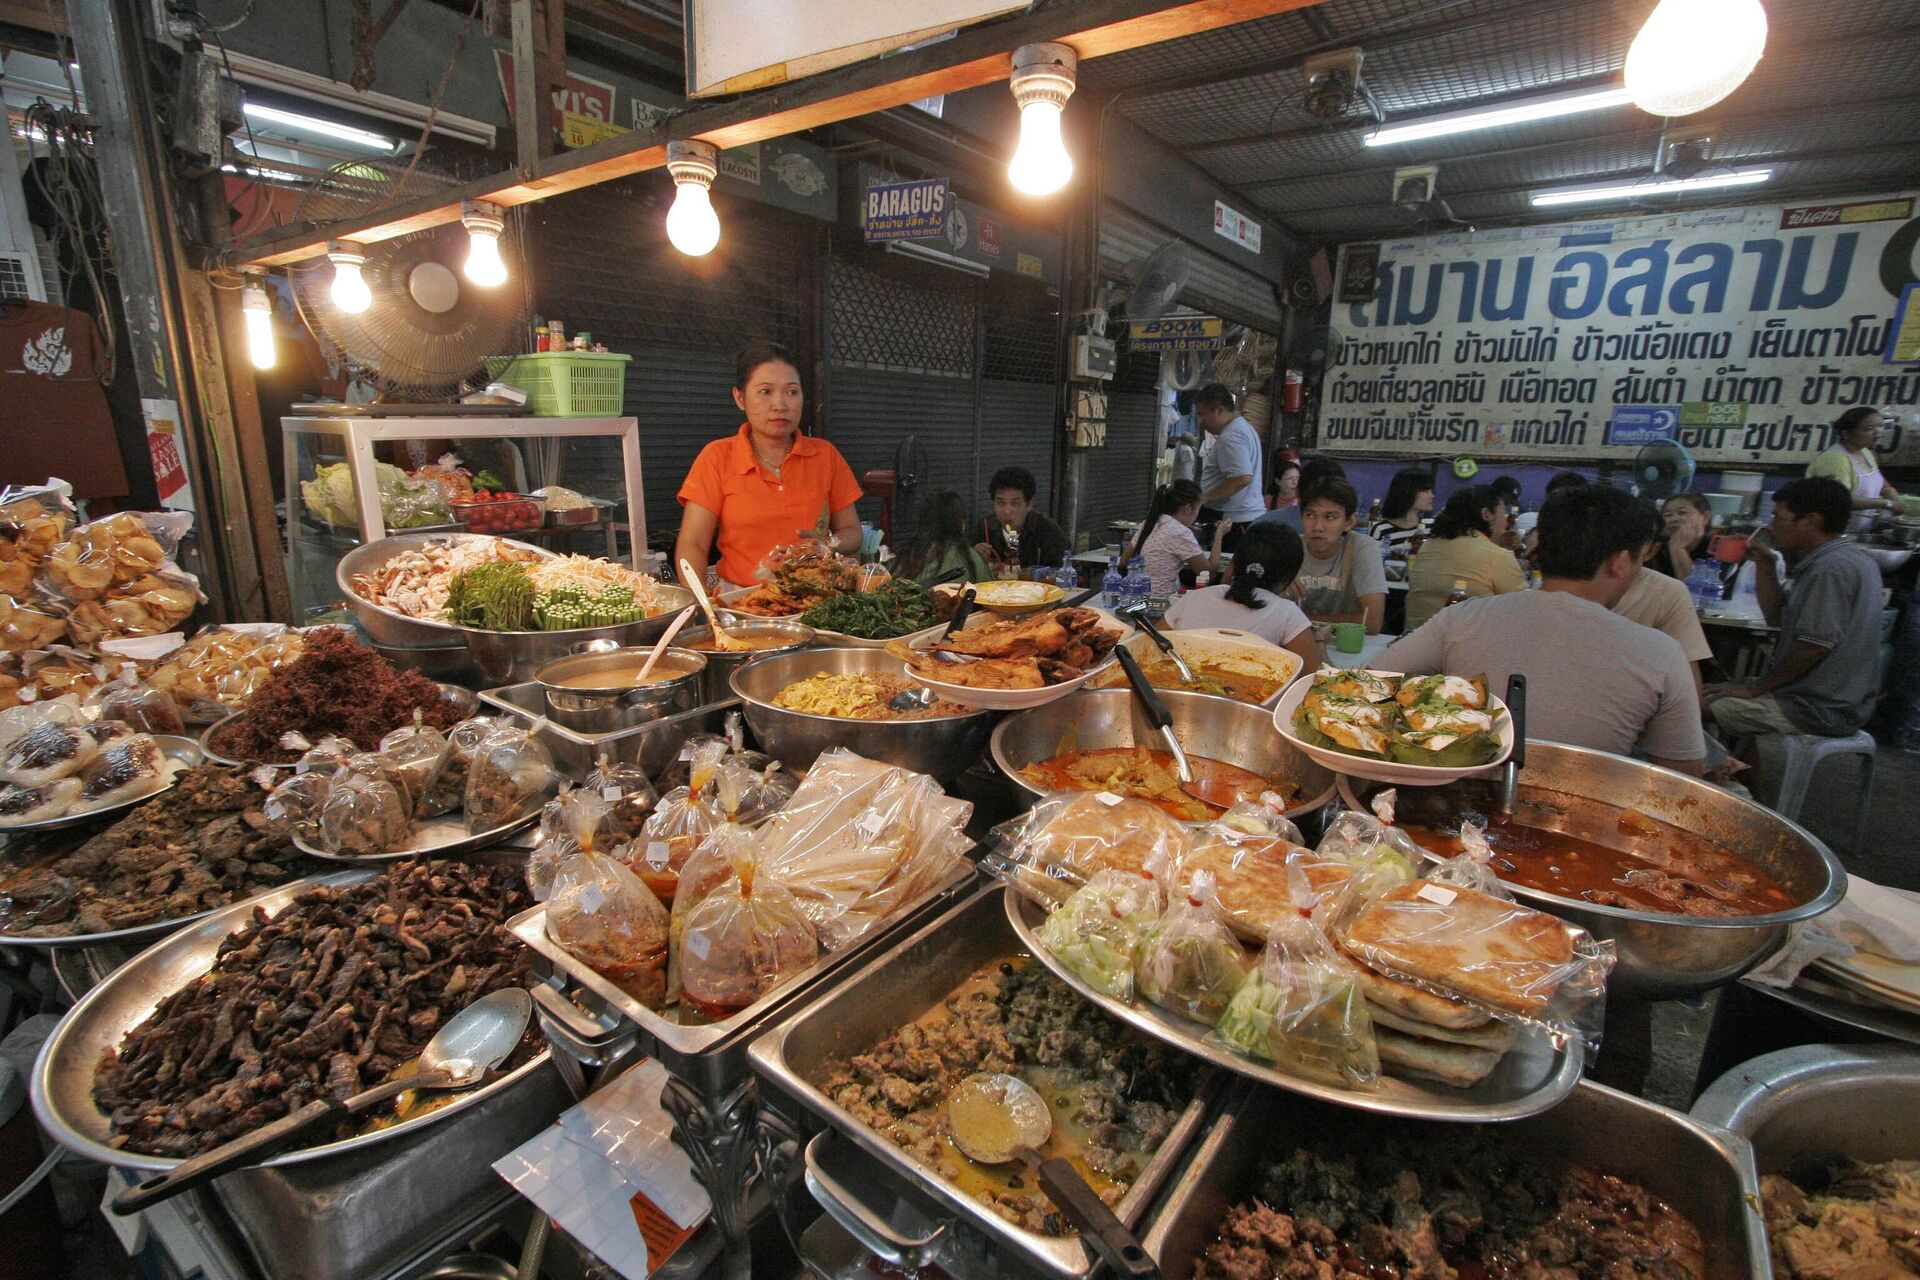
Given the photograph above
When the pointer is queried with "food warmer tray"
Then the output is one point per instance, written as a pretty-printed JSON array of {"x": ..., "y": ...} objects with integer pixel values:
[
  {"x": 1832, "y": 1003},
  {"x": 63, "y": 1076},
  {"x": 853, "y": 1171},
  {"x": 1806, "y": 1106},
  {"x": 653, "y": 746},
  {"x": 1533, "y": 1076},
  {"x": 1707, "y": 1174},
  {"x": 679, "y": 1042}
]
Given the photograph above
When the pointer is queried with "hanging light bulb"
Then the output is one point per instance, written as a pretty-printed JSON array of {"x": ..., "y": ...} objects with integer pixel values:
[
  {"x": 259, "y": 316},
  {"x": 1043, "y": 79},
  {"x": 484, "y": 225},
  {"x": 692, "y": 225},
  {"x": 349, "y": 291},
  {"x": 1692, "y": 53}
]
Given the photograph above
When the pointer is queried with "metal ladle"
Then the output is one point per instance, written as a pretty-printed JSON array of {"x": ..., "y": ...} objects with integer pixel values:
[
  {"x": 1212, "y": 791},
  {"x": 994, "y": 1118},
  {"x": 1138, "y": 615},
  {"x": 473, "y": 1043}
]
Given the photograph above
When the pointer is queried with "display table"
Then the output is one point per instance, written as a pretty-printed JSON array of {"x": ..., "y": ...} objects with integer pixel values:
[{"x": 1370, "y": 651}]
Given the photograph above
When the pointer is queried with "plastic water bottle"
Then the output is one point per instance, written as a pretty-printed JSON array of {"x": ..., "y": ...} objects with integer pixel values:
[
  {"x": 1067, "y": 576},
  {"x": 1704, "y": 582},
  {"x": 1113, "y": 586},
  {"x": 1139, "y": 586}
]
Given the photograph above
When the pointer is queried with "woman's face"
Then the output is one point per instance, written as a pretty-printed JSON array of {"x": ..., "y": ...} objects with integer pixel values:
[
  {"x": 1289, "y": 484},
  {"x": 1865, "y": 434},
  {"x": 1423, "y": 502},
  {"x": 1497, "y": 518},
  {"x": 772, "y": 400},
  {"x": 1684, "y": 522}
]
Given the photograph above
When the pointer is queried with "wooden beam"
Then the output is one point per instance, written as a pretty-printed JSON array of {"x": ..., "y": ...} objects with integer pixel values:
[
  {"x": 533, "y": 83},
  {"x": 978, "y": 55}
]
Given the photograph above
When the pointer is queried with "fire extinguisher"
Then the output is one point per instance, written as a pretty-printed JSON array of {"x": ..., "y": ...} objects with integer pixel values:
[{"x": 1292, "y": 392}]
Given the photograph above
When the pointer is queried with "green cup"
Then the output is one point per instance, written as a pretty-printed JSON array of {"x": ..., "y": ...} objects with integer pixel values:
[{"x": 1349, "y": 637}]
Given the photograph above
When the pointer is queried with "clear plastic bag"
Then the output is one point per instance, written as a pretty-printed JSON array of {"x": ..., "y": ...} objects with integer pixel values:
[
  {"x": 1303, "y": 1010},
  {"x": 364, "y": 813},
  {"x": 667, "y": 840},
  {"x": 571, "y": 823},
  {"x": 419, "y": 752},
  {"x": 327, "y": 756},
  {"x": 1258, "y": 877},
  {"x": 860, "y": 840},
  {"x": 293, "y": 807},
  {"x": 28, "y": 623},
  {"x": 1097, "y": 931},
  {"x": 629, "y": 795},
  {"x": 601, "y": 913},
  {"x": 509, "y": 777},
  {"x": 150, "y": 605},
  {"x": 463, "y": 740},
  {"x": 222, "y": 666},
  {"x": 1069, "y": 836},
  {"x": 740, "y": 941},
  {"x": 1188, "y": 961},
  {"x": 768, "y": 793},
  {"x": 145, "y": 708}
]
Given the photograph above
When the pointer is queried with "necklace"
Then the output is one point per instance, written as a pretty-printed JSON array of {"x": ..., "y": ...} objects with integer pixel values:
[{"x": 761, "y": 458}]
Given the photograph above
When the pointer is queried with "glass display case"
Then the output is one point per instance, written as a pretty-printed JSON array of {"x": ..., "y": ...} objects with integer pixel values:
[{"x": 353, "y": 479}]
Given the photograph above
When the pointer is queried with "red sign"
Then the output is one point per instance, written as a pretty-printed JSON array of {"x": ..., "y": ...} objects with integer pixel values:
[
  {"x": 169, "y": 468},
  {"x": 989, "y": 237},
  {"x": 580, "y": 95}
]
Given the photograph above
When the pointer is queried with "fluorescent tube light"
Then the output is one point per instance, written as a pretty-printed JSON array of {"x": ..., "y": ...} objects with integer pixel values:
[
  {"x": 1657, "y": 187},
  {"x": 1562, "y": 104},
  {"x": 324, "y": 128}
]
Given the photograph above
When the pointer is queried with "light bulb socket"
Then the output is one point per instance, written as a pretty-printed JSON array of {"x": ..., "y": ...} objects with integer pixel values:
[
  {"x": 346, "y": 253},
  {"x": 693, "y": 162},
  {"x": 1044, "y": 72},
  {"x": 253, "y": 295},
  {"x": 483, "y": 216}
]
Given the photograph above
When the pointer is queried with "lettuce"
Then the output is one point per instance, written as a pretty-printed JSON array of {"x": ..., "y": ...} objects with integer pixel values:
[{"x": 405, "y": 503}]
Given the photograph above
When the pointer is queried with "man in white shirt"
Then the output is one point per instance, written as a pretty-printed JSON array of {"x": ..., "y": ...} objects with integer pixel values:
[
  {"x": 1230, "y": 470},
  {"x": 1594, "y": 678}
]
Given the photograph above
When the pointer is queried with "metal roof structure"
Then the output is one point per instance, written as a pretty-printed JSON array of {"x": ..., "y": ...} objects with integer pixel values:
[{"x": 1834, "y": 108}]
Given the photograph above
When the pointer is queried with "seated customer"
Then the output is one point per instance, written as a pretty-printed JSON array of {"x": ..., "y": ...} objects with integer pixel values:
[
  {"x": 1663, "y": 603},
  {"x": 1464, "y": 547},
  {"x": 1826, "y": 665},
  {"x": 1309, "y": 475},
  {"x": 1594, "y": 679},
  {"x": 1402, "y": 523},
  {"x": 1018, "y": 536},
  {"x": 1689, "y": 523},
  {"x": 1342, "y": 578},
  {"x": 1263, "y": 567},
  {"x": 1167, "y": 542},
  {"x": 939, "y": 544}
]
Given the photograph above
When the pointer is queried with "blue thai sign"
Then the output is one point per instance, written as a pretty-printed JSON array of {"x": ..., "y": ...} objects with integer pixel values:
[
  {"x": 1638, "y": 424},
  {"x": 904, "y": 210}
]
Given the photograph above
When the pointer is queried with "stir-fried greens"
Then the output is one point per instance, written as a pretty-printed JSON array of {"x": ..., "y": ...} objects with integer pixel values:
[{"x": 899, "y": 608}]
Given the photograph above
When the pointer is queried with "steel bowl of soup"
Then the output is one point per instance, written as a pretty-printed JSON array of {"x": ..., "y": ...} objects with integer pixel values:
[
  {"x": 762, "y": 638},
  {"x": 604, "y": 693}
]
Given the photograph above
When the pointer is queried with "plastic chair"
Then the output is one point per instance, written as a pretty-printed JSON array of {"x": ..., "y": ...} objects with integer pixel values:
[{"x": 1805, "y": 751}]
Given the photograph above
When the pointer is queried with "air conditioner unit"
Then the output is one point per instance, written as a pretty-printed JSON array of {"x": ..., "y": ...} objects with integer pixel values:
[{"x": 1414, "y": 184}]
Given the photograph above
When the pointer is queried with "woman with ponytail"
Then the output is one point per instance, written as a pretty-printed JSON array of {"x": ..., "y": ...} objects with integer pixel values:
[
  {"x": 1166, "y": 538},
  {"x": 1254, "y": 601}
]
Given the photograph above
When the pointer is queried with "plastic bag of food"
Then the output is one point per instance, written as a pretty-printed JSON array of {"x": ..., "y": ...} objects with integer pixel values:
[
  {"x": 33, "y": 520},
  {"x": 419, "y": 752},
  {"x": 28, "y": 623},
  {"x": 1096, "y": 931},
  {"x": 1303, "y": 1010},
  {"x": 1188, "y": 960},
  {"x": 629, "y": 795},
  {"x": 149, "y": 605},
  {"x": 739, "y": 941},
  {"x": 294, "y": 806},
  {"x": 768, "y": 792},
  {"x": 604, "y": 917},
  {"x": 1458, "y": 933},
  {"x": 364, "y": 813},
  {"x": 1259, "y": 878},
  {"x": 112, "y": 551},
  {"x": 572, "y": 823},
  {"x": 668, "y": 838},
  {"x": 463, "y": 740},
  {"x": 221, "y": 667},
  {"x": 131, "y": 702},
  {"x": 508, "y": 778},
  {"x": 860, "y": 840},
  {"x": 1069, "y": 836}
]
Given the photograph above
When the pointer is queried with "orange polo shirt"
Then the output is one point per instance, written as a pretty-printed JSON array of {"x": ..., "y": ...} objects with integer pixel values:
[{"x": 757, "y": 512}]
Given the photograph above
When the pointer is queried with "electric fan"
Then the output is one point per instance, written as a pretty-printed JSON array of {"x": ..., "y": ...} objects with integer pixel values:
[{"x": 1661, "y": 469}]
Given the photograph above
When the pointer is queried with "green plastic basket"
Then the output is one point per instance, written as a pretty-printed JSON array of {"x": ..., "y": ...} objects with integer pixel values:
[{"x": 567, "y": 384}]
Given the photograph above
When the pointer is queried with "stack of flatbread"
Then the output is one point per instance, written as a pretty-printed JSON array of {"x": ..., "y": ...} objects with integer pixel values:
[
  {"x": 1494, "y": 955},
  {"x": 1260, "y": 879}
]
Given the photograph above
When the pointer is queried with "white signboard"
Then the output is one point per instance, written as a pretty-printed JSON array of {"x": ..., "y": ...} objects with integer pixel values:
[
  {"x": 736, "y": 45},
  {"x": 1741, "y": 333},
  {"x": 1236, "y": 226}
]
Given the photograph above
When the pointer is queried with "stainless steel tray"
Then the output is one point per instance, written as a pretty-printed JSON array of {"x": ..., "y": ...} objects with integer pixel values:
[
  {"x": 895, "y": 988},
  {"x": 651, "y": 746},
  {"x": 179, "y": 751},
  {"x": 63, "y": 1076},
  {"x": 1815, "y": 1103},
  {"x": 449, "y": 830},
  {"x": 691, "y": 1039},
  {"x": 1833, "y": 1003},
  {"x": 1706, "y": 1175},
  {"x": 1532, "y": 1077}
]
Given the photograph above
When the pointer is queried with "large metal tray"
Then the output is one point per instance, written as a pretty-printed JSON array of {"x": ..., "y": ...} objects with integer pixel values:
[
  {"x": 691, "y": 1039},
  {"x": 1833, "y": 1003},
  {"x": 450, "y": 832},
  {"x": 1705, "y": 1174},
  {"x": 895, "y": 988},
  {"x": 1810, "y": 1105},
  {"x": 652, "y": 746},
  {"x": 63, "y": 1076},
  {"x": 1532, "y": 1077}
]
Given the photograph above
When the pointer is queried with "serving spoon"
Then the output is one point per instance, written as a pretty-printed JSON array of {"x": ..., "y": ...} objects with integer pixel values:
[
  {"x": 996, "y": 1118},
  {"x": 1210, "y": 791},
  {"x": 699, "y": 589},
  {"x": 673, "y": 629},
  {"x": 475, "y": 1041},
  {"x": 1138, "y": 614}
]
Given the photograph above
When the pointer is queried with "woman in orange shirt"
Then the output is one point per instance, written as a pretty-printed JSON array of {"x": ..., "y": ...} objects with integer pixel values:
[{"x": 767, "y": 484}]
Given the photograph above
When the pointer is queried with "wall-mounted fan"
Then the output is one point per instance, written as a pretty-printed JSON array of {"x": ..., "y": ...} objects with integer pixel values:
[
  {"x": 1661, "y": 469},
  {"x": 429, "y": 328},
  {"x": 1154, "y": 281},
  {"x": 1314, "y": 350}
]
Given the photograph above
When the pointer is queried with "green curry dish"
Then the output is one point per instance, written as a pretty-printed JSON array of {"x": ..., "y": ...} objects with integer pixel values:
[
  {"x": 899, "y": 608},
  {"x": 491, "y": 597},
  {"x": 569, "y": 608}
]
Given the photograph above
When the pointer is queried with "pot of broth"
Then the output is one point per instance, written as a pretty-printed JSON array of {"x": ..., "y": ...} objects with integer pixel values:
[
  {"x": 603, "y": 693},
  {"x": 763, "y": 636},
  {"x": 1693, "y": 885}
]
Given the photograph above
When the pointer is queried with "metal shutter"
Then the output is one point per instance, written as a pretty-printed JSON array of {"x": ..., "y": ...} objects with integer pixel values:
[
  {"x": 874, "y": 412},
  {"x": 1117, "y": 483},
  {"x": 1217, "y": 286},
  {"x": 1016, "y": 430}
]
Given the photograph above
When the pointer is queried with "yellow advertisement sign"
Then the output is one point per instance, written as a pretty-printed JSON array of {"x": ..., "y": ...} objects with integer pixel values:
[{"x": 582, "y": 131}]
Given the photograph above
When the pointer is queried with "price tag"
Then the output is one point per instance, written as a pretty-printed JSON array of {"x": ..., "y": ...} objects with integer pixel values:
[
  {"x": 867, "y": 827},
  {"x": 1436, "y": 894},
  {"x": 657, "y": 854},
  {"x": 610, "y": 794},
  {"x": 698, "y": 944},
  {"x": 591, "y": 898},
  {"x": 1107, "y": 798}
]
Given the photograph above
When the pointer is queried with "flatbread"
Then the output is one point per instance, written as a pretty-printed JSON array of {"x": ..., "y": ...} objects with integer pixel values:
[
  {"x": 1255, "y": 880},
  {"x": 1454, "y": 1064},
  {"x": 1413, "y": 1004},
  {"x": 1089, "y": 835},
  {"x": 1496, "y": 1037},
  {"x": 1486, "y": 950}
]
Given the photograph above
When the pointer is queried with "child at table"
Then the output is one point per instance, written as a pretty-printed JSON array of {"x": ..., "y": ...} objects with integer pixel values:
[{"x": 1252, "y": 600}]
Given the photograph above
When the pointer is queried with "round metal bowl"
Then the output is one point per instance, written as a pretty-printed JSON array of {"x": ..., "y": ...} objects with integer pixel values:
[
  {"x": 722, "y": 663},
  {"x": 1663, "y": 956},
  {"x": 940, "y": 746},
  {"x": 613, "y": 707},
  {"x": 446, "y": 663},
  {"x": 1807, "y": 1107},
  {"x": 388, "y": 626},
  {"x": 1217, "y": 728}
]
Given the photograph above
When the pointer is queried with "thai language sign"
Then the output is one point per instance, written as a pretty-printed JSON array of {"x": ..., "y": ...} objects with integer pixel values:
[
  {"x": 1740, "y": 333},
  {"x": 904, "y": 210},
  {"x": 1176, "y": 333}
]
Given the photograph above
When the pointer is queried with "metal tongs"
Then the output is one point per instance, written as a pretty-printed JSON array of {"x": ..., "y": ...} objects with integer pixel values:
[
  {"x": 1517, "y": 759},
  {"x": 1138, "y": 615}
]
